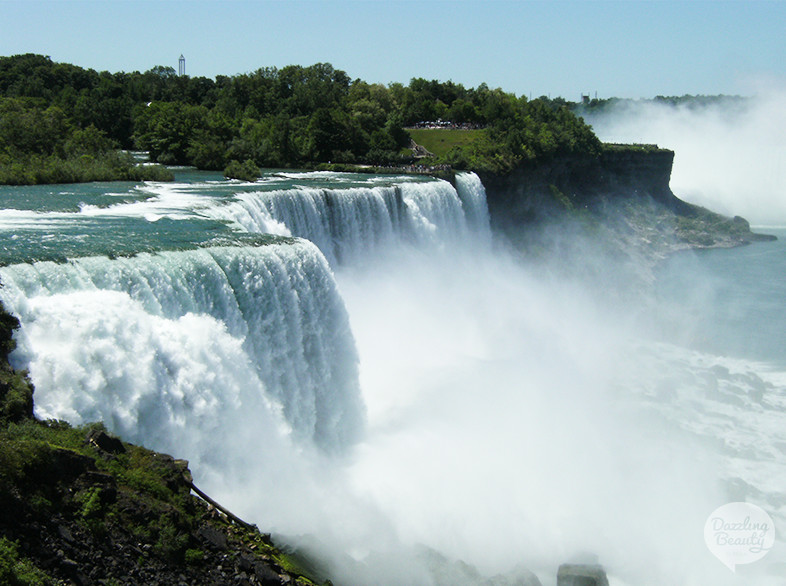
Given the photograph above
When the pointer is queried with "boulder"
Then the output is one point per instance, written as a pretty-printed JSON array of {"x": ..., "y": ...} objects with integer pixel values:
[
  {"x": 581, "y": 575},
  {"x": 108, "y": 444},
  {"x": 265, "y": 574},
  {"x": 213, "y": 536}
]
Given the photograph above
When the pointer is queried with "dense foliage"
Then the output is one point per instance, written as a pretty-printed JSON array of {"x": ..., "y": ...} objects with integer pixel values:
[
  {"x": 521, "y": 131},
  {"x": 40, "y": 143},
  {"x": 246, "y": 171},
  {"x": 286, "y": 117}
]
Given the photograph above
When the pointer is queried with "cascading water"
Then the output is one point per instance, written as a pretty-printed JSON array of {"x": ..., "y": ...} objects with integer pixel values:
[
  {"x": 97, "y": 331},
  {"x": 473, "y": 198},
  {"x": 350, "y": 222},
  {"x": 510, "y": 418},
  {"x": 189, "y": 338}
]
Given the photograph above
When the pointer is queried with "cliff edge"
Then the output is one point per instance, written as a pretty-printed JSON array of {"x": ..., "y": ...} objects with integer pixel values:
[{"x": 626, "y": 188}]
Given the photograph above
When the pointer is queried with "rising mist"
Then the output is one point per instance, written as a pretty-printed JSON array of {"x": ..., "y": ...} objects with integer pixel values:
[{"x": 510, "y": 423}]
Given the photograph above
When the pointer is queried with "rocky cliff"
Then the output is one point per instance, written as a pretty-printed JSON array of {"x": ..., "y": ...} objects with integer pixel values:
[{"x": 626, "y": 188}]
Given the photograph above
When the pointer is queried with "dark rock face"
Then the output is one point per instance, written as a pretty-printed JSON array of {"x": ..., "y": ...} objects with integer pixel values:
[
  {"x": 90, "y": 518},
  {"x": 213, "y": 536},
  {"x": 544, "y": 191},
  {"x": 581, "y": 575},
  {"x": 624, "y": 189},
  {"x": 649, "y": 171},
  {"x": 105, "y": 442}
]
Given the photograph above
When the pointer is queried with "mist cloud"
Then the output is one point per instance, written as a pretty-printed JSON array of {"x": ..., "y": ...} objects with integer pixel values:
[{"x": 504, "y": 429}]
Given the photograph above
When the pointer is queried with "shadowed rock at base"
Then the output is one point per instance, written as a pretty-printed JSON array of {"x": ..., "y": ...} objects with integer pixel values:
[{"x": 581, "y": 575}]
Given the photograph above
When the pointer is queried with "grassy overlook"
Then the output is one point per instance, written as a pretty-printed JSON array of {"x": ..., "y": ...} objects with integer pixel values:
[{"x": 60, "y": 122}]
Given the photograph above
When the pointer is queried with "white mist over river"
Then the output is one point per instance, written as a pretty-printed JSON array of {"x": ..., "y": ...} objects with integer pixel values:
[{"x": 411, "y": 390}]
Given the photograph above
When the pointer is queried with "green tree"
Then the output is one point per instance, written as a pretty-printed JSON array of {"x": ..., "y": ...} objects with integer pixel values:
[
  {"x": 90, "y": 141},
  {"x": 166, "y": 130}
]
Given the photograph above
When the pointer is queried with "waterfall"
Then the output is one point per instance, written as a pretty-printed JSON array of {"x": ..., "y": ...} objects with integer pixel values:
[
  {"x": 339, "y": 221},
  {"x": 473, "y": 198},
  {"x": 233, "y": 349},
  {"x": 166, "y": 341},
  {"x": 161, "y": 339},
  {"x": 349, "y": 222}
]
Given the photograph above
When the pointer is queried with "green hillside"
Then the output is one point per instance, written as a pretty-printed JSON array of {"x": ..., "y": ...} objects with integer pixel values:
[{"x": 439, "y": 141}]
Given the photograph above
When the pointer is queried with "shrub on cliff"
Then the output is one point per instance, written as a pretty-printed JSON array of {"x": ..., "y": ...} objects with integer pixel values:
[
  {"x": 16, "y": 391},
  {"x": 15, "y": 570},
  {"x": 8, "y": 323},
  {"x": 16, "y": 396}
]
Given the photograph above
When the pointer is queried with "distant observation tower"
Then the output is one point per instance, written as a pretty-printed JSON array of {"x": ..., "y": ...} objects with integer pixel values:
[{"x": 181, "y": 66}]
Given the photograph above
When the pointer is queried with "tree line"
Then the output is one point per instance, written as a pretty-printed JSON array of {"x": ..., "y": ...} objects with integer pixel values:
[{"x": 288, "y": 117}]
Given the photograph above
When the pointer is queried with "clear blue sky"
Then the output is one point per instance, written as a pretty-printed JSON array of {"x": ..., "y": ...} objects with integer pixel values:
[{"x": 628, "y": 49}]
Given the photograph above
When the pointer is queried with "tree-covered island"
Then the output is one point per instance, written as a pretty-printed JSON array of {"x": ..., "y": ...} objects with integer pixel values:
[{"x": 63, "y": 123}]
